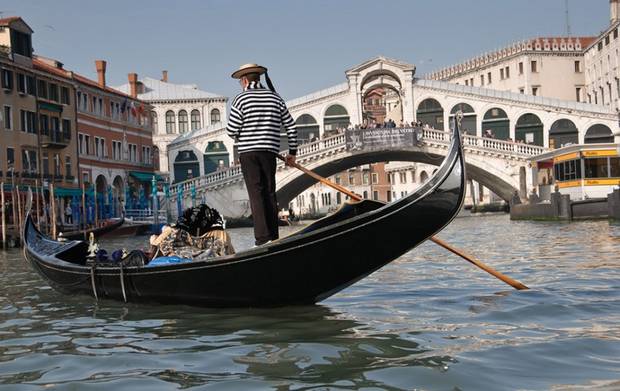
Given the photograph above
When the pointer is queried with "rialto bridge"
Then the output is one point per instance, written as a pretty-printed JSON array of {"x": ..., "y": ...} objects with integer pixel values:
[
  {"x": 521, "y": 126},
  {"x": 496, "y": 164}
]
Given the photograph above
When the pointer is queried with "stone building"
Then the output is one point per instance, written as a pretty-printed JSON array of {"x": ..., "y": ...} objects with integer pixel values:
[
  {"x": 177, "y": 109},
  {"x": 37, "y": 119}
]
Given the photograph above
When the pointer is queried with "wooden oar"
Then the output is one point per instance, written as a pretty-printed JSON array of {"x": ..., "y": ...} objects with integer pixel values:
[{"x": 514, "y": 283}]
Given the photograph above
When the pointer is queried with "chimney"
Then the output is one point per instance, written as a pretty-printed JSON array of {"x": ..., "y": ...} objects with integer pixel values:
[
  {"x": 100, "y": 65},
  {"x": 133, "y": 84},
  {"x": 615, "y": 10},
  {"x": 164, "y": 76}
]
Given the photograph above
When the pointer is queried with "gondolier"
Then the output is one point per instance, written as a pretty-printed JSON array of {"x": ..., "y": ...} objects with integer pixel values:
[{"x": 256, "y": 118}]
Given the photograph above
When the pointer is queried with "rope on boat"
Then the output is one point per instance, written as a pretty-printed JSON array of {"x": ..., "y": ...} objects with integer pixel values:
[
  {"x": 123, "y": 283},
  {"x": 92, "y": 281}
]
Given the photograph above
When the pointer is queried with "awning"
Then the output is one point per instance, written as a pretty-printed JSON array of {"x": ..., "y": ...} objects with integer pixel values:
[
  {"x": 50, "y": 107},
  {"x": 145, "y": 176},
  {"x": 65, "y": 192}
]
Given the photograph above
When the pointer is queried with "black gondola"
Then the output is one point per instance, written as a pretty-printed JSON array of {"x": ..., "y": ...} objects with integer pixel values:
[
  {"x": 98, "y": 232},
  {"x": 303, "y": 268}
]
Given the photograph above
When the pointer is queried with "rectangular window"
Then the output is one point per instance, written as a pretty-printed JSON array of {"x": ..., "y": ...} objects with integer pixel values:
[
  {"x": 403, "y": 177},
  {"x": 45, "y": 162},
  {"x": 21, "y": 83},
  {"x": 29, "y": 161},
  {"x": 30, "y": 86},
  {"x": 94, "y": 105},
  {"x": 614, "y": 167},
  {"x": 100, "y": 107},
  {"x": 375, "y": 178},
  {"x": 85, "y": 177},
  {"x": 578, "y": 94},
  {"x": 489, "y": 79},
  {"x": 597, "y": 168},
  {"x": 388, "y": 195},
  {"x": 607, "y": 40},
  {"x": 600, "y": 46},
  {"x": 337, "y": 179},
  {"x": 66, "y": 129},
  {"x": 42, "y": 89},
  {"x": 534, "y": 66},
  {"x": 44, "y": 124},
  {"x": 64, "y": 96},
  {"x": 22, "y": 120},
  {"x": 481, "y": 80},
  {"x": 507, "y": 72},
  {"x": 351, "y": 179},
  {"x": 56, "y": 164},
  {"x": 375, "y": 195},
  {"x": 520, "y": 68},
  {"x": 535, "y": 91},
  {"x": 87, "y": 144},
  {"x": 10, "y": 157},
  {"x": 7, "y": 79},
  {"x": 501, "y": 74},
  {"x": 31, "y": 118},
  {"x": 471, "y": 81},
  {"x": 365, "y": 178},
  {"x": 55, "y": 130},
  {"x": 578, "y": 66},
  {"x": 466, "y": 82},
  {"x": 54, "y": 92},
  {"x": 68, "y": 166},
  {"x": 615, "y": 33},
  {"x": 8, "y": 118}
]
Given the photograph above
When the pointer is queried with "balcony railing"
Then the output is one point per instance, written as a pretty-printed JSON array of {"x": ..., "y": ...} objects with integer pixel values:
[{"x": 55, "y": 139}]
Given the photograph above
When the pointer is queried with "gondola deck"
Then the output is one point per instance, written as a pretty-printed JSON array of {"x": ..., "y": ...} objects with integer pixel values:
[{"x": 303, "y": 268}]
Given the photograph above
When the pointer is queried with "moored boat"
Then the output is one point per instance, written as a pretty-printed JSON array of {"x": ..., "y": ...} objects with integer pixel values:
[
  {"x": 108, "y": 227},
  {"x": 303, "y": 268}
]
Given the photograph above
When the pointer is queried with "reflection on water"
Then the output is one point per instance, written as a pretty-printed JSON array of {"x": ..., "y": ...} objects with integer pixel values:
[{"x": 428, "y": 320}]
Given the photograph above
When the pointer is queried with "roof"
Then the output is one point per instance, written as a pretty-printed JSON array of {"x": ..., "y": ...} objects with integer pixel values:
[
  {"x": 552, "y": 45},
  {"x": 155, "y": 90},
  {"x": 44, "y": 65},
  {"x": 6, "y": 22}
]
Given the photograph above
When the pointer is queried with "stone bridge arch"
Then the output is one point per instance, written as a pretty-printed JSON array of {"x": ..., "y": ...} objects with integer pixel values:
[{"x": 292, "y": 182}]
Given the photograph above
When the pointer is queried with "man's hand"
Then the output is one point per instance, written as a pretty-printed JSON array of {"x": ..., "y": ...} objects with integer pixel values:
[{"x": 290, "y": 159}]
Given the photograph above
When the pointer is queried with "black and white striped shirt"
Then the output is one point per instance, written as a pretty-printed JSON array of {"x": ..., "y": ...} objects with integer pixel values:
[{"x": 256, "y": 118}]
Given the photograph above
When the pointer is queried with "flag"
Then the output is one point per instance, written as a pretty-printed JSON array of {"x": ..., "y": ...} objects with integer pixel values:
[{"x": 132, "y": 105}]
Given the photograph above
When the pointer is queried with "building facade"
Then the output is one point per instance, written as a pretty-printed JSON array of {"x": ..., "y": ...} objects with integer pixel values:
[
  {"x": 177, "y": 109},
  {"x": 546, "y": 66},
  {"x": 602, "y": 58},
  {"x": 38, "y": 118}
]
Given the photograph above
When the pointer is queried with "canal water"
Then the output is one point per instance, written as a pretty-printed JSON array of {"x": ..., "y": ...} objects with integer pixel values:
[{"x": 428, "y": 321}]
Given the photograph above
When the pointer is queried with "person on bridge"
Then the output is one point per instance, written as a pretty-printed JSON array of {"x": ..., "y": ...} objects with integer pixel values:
[{"x": 256, "y": 116}]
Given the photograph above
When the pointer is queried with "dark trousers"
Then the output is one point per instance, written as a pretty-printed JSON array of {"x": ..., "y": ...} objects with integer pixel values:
[{"x": 259, "y": 173}]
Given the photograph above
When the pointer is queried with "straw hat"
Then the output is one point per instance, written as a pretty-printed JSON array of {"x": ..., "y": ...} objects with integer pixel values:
[{"x": 248, "y": 68}]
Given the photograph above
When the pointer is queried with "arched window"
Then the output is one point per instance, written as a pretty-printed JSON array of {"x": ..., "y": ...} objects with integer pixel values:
[
  {"x": 336, "y": 116},
  {"x": 215, "y": 116},
  {"x": 170, "y": 122},
  {"x": 307, "y": 128},
  {"x": 195, "y": 119},
  {"x": 182, "y": 121},
  {"x": 468, "y": 123},
  {"x": 430, "y": 112},
  {"x": 598, "y": 133},
  {"x": 563, "y": 132},
  {"x": 154, "y": 119}
]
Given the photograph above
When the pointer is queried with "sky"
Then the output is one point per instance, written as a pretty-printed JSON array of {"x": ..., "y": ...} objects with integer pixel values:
[{"x": 307, "y": 45}]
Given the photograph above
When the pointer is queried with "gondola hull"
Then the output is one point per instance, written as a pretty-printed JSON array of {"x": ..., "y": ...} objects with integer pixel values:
[{"x": 304, "y": 268}]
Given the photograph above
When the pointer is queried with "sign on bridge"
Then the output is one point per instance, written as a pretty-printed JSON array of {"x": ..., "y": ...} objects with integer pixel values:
[{"x": 381, "y": 138}]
